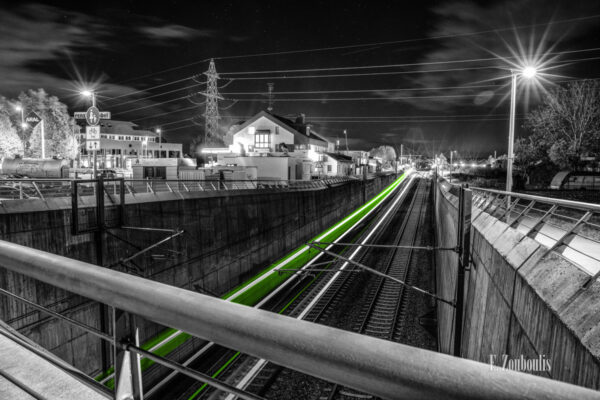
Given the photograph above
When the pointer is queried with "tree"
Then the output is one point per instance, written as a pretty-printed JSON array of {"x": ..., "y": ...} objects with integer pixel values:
[
  {"x": 567, "y": 126},
  {"x": 386, "y": 153},
  {"x": 10, "y": 143},
  {"x": 60, "y": 140}
]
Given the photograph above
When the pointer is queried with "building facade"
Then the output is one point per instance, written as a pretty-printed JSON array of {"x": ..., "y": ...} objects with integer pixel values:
[{"x": 122, "y": 143}]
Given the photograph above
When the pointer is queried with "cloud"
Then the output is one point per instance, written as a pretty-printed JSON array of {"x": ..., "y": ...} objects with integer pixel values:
[
  {"x": 173, "y": 31},
  {"x": 457, "y": 38},
  {"x": 42, "y": 46}
]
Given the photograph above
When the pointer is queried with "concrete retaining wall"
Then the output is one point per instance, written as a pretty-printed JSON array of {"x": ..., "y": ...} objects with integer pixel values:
[
  {"x": 228, "y": 238},
  {"x": 521, "y": 300}
]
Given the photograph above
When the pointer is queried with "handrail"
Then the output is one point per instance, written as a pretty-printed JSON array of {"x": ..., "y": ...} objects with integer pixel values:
[
  {"x": 386, "y": 369},
  {"x": 551, "y": 200}
]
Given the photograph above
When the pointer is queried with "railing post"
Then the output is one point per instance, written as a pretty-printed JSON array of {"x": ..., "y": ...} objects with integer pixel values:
[
  {"x": 99, "y": 239},
  {"x": 128, "y": 373},
  {"x": 74, "y": 209},
  {"x": 121, "y": 201},
  {"x": 465, "y": 199}
]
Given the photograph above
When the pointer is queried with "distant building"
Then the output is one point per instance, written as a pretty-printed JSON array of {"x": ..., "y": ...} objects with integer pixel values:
[
  {"x": 280, "y": 148},
  {"x": 336, "y": 164},
  {"x": 269, "y": 133},
  {"x": 123, "y": 142}
]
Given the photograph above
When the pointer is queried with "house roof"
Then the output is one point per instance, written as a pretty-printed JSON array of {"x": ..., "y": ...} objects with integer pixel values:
[
  {"x": 299, "y": 130},
  {"x": 124, "y": 128},
  {"x": 340, "y": 157}
]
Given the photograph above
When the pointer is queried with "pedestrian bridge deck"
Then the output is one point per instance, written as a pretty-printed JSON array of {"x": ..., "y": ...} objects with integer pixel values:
[{"x": 26, "y": 375}]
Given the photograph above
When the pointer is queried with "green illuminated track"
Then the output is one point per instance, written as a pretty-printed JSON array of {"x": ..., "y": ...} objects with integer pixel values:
[{"x": 252, "y": 291}]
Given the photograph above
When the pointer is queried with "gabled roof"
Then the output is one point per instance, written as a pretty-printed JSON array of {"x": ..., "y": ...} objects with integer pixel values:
[
  {"x": 287, "y": 125},
  {"x": 340, "y": 157}
]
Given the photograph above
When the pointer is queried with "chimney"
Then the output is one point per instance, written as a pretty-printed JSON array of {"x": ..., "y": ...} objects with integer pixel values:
[{"x": 307, "y": 130}]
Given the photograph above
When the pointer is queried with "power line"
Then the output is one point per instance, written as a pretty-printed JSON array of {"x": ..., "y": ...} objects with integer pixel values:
[
  {"x": 354, "y": 46},
  {"x": 372, "y": 98},
  {"x": 158, "y": 94},
  {"x": 345, "y": 99},
  {"x": 152, "y": 105},
  {"x": 400, "y": 65},
  {"x": 348, "y": 68},
  {"x": 165, "y": 113},
  {"x": 366, "y": 90}
]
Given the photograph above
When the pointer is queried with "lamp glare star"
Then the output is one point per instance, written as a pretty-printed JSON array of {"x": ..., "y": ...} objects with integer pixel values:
[{"x": 529, "y": 72}]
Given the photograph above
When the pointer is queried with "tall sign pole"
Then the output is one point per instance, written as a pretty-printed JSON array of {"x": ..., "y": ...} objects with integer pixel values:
[
  {"x": 92, "y": 131},
  {"x": 32, "y": 120}
]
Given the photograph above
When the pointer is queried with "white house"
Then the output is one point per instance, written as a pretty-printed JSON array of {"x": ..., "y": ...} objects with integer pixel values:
[
  {"x": 336, "y": 164},
  {"x": 269, "y": 133},
  {"x": 278, "y": 147}
]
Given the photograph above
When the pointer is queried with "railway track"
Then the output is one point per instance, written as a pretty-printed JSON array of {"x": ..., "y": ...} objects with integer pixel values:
[
  {"x": 239, "y": 368},
  {"x": 384, "y": 316},
  {"x": 378, "y": 318}
]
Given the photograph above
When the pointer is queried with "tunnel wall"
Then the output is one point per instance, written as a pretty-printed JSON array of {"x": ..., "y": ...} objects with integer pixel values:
[
  {"x": 520, "y": 300},
  {"x": 228, "y": 237}
]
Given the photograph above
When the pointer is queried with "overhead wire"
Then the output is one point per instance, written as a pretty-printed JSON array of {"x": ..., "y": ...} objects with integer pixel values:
[{"x": 382, "y": 43}]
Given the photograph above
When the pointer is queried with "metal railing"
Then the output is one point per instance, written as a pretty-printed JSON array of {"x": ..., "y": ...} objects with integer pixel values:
[
  {"x": 383, "y": 368},
  {"x": 22, "y": 189},
  {"x": 568, "y": 227}
]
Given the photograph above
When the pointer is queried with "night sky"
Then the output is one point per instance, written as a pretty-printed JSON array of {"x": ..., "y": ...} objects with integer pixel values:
[{"x": 431, "y": 75}]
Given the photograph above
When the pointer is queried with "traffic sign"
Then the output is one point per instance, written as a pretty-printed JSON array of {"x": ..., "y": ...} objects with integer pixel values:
[
  {"x": 33, "y": 119},
  {"x": 92, "y": 116},
  {"x": 81, "y": 115},
  {"x": 92, "y": 133},
  {"x": 92, "y": 145}
]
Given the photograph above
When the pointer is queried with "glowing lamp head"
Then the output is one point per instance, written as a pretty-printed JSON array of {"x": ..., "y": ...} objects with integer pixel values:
[
  {"x": 24, "y": 125},
  {"x": 158, "y": 130},
  {"x": 529, "y": 72},
  {"x": 86, "y": 93},
  {"x": 18, "y": 108}
]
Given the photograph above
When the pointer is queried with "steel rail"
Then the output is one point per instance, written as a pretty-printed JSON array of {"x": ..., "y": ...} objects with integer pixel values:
[
  {"x": 386, "y": 369},
  {"x": 390, "y": 246}
]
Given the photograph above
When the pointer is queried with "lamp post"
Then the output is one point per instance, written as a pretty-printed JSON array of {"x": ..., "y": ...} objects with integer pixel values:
[{"x": 528, "y": 72}]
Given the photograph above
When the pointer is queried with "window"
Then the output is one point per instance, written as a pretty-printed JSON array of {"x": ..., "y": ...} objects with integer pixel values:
[
  {"x": 112, "y": 137},
  {"x": 127, "y": 137},
  {"x": 103, "y": 136},
  {"x": 121, "y": 137},
  {"x": 262, "y": 139},
  {"x": 329, "y": 168},
  {"x": 155, "y": 172},
  {"x": 136, "y": 138}
]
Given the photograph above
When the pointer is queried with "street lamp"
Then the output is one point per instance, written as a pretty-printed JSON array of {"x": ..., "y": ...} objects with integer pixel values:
[
  {"x": 528, "y": 72},
  {"x": 89, "y": 93}
]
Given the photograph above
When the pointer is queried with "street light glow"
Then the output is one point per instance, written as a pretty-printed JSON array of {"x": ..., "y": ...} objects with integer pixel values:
[
  {"x": 24, "y": 125},
  {"x": 529, "y": 72},
  {"x": 18, "y": 108},
  {"x": 86, "y": 93},
  {"x": 158, "y": 130}
]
